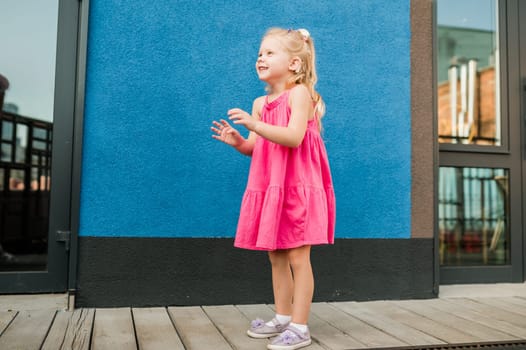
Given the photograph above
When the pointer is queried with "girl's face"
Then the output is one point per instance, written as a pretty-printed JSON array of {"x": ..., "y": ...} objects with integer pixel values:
[{"x": 274, "y": 62}]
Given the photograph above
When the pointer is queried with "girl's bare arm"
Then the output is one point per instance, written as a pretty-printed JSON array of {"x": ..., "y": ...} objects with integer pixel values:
[{"x": 290, "y": 135}]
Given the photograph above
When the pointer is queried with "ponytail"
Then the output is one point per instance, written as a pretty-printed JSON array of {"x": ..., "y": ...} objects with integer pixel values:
[{"x": 299, "y": 43}]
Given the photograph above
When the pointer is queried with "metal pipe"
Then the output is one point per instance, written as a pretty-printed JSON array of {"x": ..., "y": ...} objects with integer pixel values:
[
  {"x": 472, "y": 83},
  {"x": 453, "y": 78},
  {"x": 463, "y": 101}
]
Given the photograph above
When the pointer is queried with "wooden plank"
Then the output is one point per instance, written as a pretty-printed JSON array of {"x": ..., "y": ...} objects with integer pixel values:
[
  {"x": 113, "y": 329},
  {"x": 155, "y": 330},
  {"x": 331, "y": 337},
  {"x": 387, "y": 325},
  {"x": 475, "y": 329},
  {"x": 28, "y": 330},
  {"x": 28, "y": 302},
  {"x": 70, "y": 330},
  {"x": 196, "y": 329},
  {"x": 502, "y": 303},
  {"x": 438, "y": 330},
  {"x": 233, "y": 325},
  {"x": 253, "y": 312},
  {"x": 495, "y": 311},
  {"x": 508, "y": 330},
  {"x": 359, "y": 330},
  {"x": 5, "y": 318},
  {"x": 517, "y": 301}
]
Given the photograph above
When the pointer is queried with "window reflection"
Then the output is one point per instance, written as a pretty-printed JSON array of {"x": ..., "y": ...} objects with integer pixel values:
[
  {"x": 473, "y": 216},
  {"x": 7, "y": 130},
  {"x": 468, "y": 72},
  {"x": 21, "y": 144},
  {"x": 6, "y": 152},
  {"x": 27, "y": 80}
]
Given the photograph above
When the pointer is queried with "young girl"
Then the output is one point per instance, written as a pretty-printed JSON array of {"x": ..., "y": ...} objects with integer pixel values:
[{"x": 289, "y": 201}]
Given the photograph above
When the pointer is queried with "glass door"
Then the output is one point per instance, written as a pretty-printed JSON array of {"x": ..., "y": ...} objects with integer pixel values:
[
  {"x": 478, "y": 112},
  {"x": 521, "y": 95},
  {"x": 37, "y": 84}
]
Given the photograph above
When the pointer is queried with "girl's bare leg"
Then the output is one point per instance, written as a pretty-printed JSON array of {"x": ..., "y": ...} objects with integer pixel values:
[
  {"x": 282, "y": 282},
  {"x": 299, "y": 259}
]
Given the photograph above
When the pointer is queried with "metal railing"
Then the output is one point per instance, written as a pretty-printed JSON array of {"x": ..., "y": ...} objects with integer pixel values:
[{"x": 25, "y": 172}]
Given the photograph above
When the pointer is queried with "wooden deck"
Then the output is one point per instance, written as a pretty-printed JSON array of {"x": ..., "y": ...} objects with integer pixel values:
[{"x": 425, "y": 324}]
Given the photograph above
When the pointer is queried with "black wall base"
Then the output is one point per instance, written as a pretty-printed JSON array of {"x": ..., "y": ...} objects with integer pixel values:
[{"x": 188, "y": 271}]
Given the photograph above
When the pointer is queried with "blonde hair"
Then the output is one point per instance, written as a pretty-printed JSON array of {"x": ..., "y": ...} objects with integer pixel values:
[{"x": 299, "y": 43}]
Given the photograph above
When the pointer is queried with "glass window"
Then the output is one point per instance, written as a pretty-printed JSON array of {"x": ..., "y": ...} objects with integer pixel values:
[
  {"x": 35, "y": 180},
  {"x": 21, "y": 143},
  {"x": 473, "y": 216},
  {"x": 468, "y": 73},
  {"x": 39, "y": 145},
  {"x": 39, "y": 133},
  {"x": 7, "y": 130},
  {"x": 32, "y": 28},
  {"x": 17, "y": 180},
  {"x": 27, "y": 62},
  {"x": 6, "y": 151}
]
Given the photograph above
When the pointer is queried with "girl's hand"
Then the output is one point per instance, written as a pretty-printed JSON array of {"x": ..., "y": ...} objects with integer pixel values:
[
  {"x": 239, "y": 116},
  {"x": 226, "y": 133}
]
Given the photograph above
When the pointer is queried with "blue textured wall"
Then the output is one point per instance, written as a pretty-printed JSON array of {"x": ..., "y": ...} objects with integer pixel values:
[{"x": 159, "y": 72}]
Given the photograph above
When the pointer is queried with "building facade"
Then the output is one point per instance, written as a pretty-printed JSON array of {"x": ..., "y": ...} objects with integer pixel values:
[{"x": 142, "y": 204}]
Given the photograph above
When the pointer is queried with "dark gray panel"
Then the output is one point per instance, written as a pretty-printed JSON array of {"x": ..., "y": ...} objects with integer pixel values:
[{"x": 160, "y": 271}]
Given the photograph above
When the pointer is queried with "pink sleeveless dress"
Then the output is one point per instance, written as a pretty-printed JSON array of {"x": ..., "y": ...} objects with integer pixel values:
[{"x": 289, "y": 199}]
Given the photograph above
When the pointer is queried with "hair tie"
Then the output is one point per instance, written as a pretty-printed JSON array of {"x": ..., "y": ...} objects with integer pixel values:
[{"x": 304, "y": 33}]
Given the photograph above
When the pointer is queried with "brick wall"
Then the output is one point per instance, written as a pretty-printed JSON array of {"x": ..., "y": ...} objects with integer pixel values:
[{"x": 483, "y": 129}]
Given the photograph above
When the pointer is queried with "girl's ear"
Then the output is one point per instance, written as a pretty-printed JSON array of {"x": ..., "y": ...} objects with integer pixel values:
[{"x": 295, "y": 64}]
